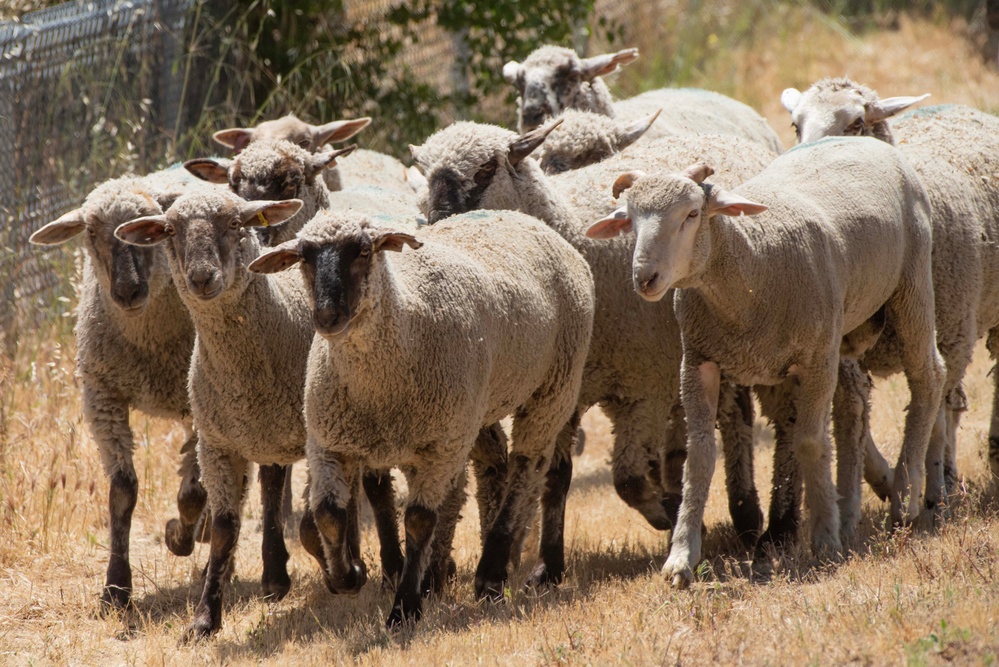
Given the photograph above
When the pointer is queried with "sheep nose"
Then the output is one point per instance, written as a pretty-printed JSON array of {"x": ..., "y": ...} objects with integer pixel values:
[
  {"x": 650, "y": 281},
  {"x": 203, "y": 282},
  {"x": 648, "y": 286},
  {"x": 534, "y": 116},
  {"x": 130, "y": 295},
  {"x": 329, "y": 321}
]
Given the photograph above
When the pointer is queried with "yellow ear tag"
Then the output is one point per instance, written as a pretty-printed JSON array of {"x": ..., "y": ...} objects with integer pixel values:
[{"x": 263, "y": 220}]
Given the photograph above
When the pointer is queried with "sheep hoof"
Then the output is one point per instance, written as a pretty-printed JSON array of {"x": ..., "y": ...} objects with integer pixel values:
[
  {"x": 404, "y": 612},
  {"x": 826, "y": 546},
  {"x": 352, "y": 580},
  {"x": 492, "y": 590},
  {"x": 541, "y": 576},
  {"x": 681, "y": 580},
  {"x": 179, "y": 538},
  {"x": 200, "y": 628},
  {"x": 114, "y": 600},
  {"x": 276, "y": 588},
  {"x": 679, "y": 572}
]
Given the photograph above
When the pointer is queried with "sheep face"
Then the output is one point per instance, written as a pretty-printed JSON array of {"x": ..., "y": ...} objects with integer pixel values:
[
  {"x": 126, "y": 273},
  {"x": 289, "y": 128},
  {"x": 841, "y": 108},
  {"x": 668, "y": 214},
  {"x": 468, "y": 166},
  {"x": 205, "y": 231},
  {"x": 552, "y": 78},
  {"x": 587, "y": 138},
  {"x": 336, "y": 257}
]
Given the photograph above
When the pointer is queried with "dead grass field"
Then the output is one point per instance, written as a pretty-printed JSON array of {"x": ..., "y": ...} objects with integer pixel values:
[{"x": 900, "y": 598}]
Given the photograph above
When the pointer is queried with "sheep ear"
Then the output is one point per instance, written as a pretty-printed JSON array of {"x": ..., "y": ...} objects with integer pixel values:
[
  {"x": 698, "y": 172},
  {"x": 266, "y": 213},
  {"x": 166, "y": 198},
  {"x": 61, "y": 229},
  {"x": 726, "y": 203},
  {"x": 280, "y": 258},
  {"x": 208, "y": 169},
  {"x": 236, "y": 138},
  {"x": 146, "y": 231},
  {"x": 890, "y": 106},
  {"x": 632, "y": 132},
  {"x": 416, "y": 179},
  {"x": 524, "y": 144},
  {"x": 790, "y": 98},
  {"x": 607, "y": 63},
  {"x": 625, "y": 181},
  {"x": 338, "y": 130},
  {"x": 391, "y": 240},
  {"x": 316, "y": 162},
  {"x": 615, "y": 224},
  {"x": 511, "y": 71}
]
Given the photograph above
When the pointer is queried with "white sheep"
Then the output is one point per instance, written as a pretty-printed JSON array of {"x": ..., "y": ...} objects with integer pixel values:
[
  {"x": 953, "y": 150},
  {"x": 367, "y": 167},
  {"x": 768, "y": 301},
  {"x": 488, "y": 315},
  {"x": 552, "y": 79},
  {"x": 632, "y": 369},
  {"x": 133, "y": 346}
]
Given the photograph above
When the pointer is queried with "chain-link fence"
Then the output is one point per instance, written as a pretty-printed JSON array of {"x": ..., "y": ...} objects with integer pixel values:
[{"x": 79, "y": 83}]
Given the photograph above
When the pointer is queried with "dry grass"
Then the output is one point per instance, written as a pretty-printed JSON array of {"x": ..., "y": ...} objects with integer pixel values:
[{"x": 913, "y": 598}]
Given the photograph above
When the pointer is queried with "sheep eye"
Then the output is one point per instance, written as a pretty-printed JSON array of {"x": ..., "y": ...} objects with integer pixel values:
[
  {"x": 693, "y": 214},
  {"x": 856, "y": 126},
  {"x": 365, "y": 253},
  {"x": 234, "y": 223},
  {"x": 92, "y": 232}
]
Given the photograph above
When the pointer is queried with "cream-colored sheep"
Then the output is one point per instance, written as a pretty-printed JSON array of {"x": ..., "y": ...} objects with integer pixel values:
[
  {"x": 839, "y": 250},
  {"x": 486, "y": 315}
]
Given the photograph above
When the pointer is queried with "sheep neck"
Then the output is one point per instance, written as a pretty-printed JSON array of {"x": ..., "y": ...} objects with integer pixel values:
[{"x": 727, "y": 283}]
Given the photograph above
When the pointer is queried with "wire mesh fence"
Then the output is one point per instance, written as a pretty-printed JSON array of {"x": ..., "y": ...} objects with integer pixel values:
[{"x": 86, "y": 89}]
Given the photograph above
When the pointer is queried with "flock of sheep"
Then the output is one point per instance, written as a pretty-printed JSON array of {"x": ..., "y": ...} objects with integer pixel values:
[{"x": 534, "y": 275}]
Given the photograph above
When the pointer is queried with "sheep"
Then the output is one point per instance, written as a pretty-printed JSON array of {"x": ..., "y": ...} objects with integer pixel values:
[
  {"x": 632, "y": 367},
  {"x": 585, "y": 138},
  {"x": 489, "y": 314},
  {"x": 134, "y": 342},
  {"x": 774, "y": 301},
  {"x": 553, "y": 79},
  {"x": 275, "y": 171},
  {"x": 952, "y": 148},
  {"x": 247, "y": 375},
  {"x": 366, "y": 167}
]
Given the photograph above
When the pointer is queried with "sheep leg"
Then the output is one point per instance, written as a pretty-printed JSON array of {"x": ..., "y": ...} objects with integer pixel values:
[
  {"x": 225, "y": 477},
  {"x": 335, "y": 508},
  {"x": 956, "y": 402},
  {"x": 489, "y": 465},
  {"x": 785, "y": 493},
  {"x": 636, "y": 460},
  {"x": 993, "y": 345},
  {"x": 107, "y": 417},
  {"x": 924, "y": 371},
  {"x": 191, "y": 501},
  {"x": 442, "y": 567},
  {"x": 735, "y": 421},
  {"x": 699, "y": 388},
  {"x": 429, "y": 491},
  {"x": 851, "y": 427},
  {"x": 275, "y": 580},
  {"x": 813, "y": 450},
  {"x": 286, "y": 505},
  {"x": 550, "y": 568},
  {"x": 381, "y": 495},
  {"x": 536, "y": 428}
]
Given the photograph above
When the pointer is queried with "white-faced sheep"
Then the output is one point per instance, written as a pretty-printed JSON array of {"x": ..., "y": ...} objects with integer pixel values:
[
  {"x": 768, "y": 301},
  {"x": 553, "y": 79},
  {"x": 134, "y": 341},
  {"x": 953, "y": 150},
  {"x": 488, "y": 315},
  {"x": 367, "y": 167},
  {"x": 632, "y": 369}
]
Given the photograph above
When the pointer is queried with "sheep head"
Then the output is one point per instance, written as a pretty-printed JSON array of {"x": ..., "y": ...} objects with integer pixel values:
[
  {"x": 336, "y": 253},
  {"x": 205, "y": 231},
  {"x": 840, "y": 108},
  {"x": 552, "y": 78},
  {"x": 468, "y": 166},
  {"x": 289, "y": 128},
  {"x": 667, "y": 211}
]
